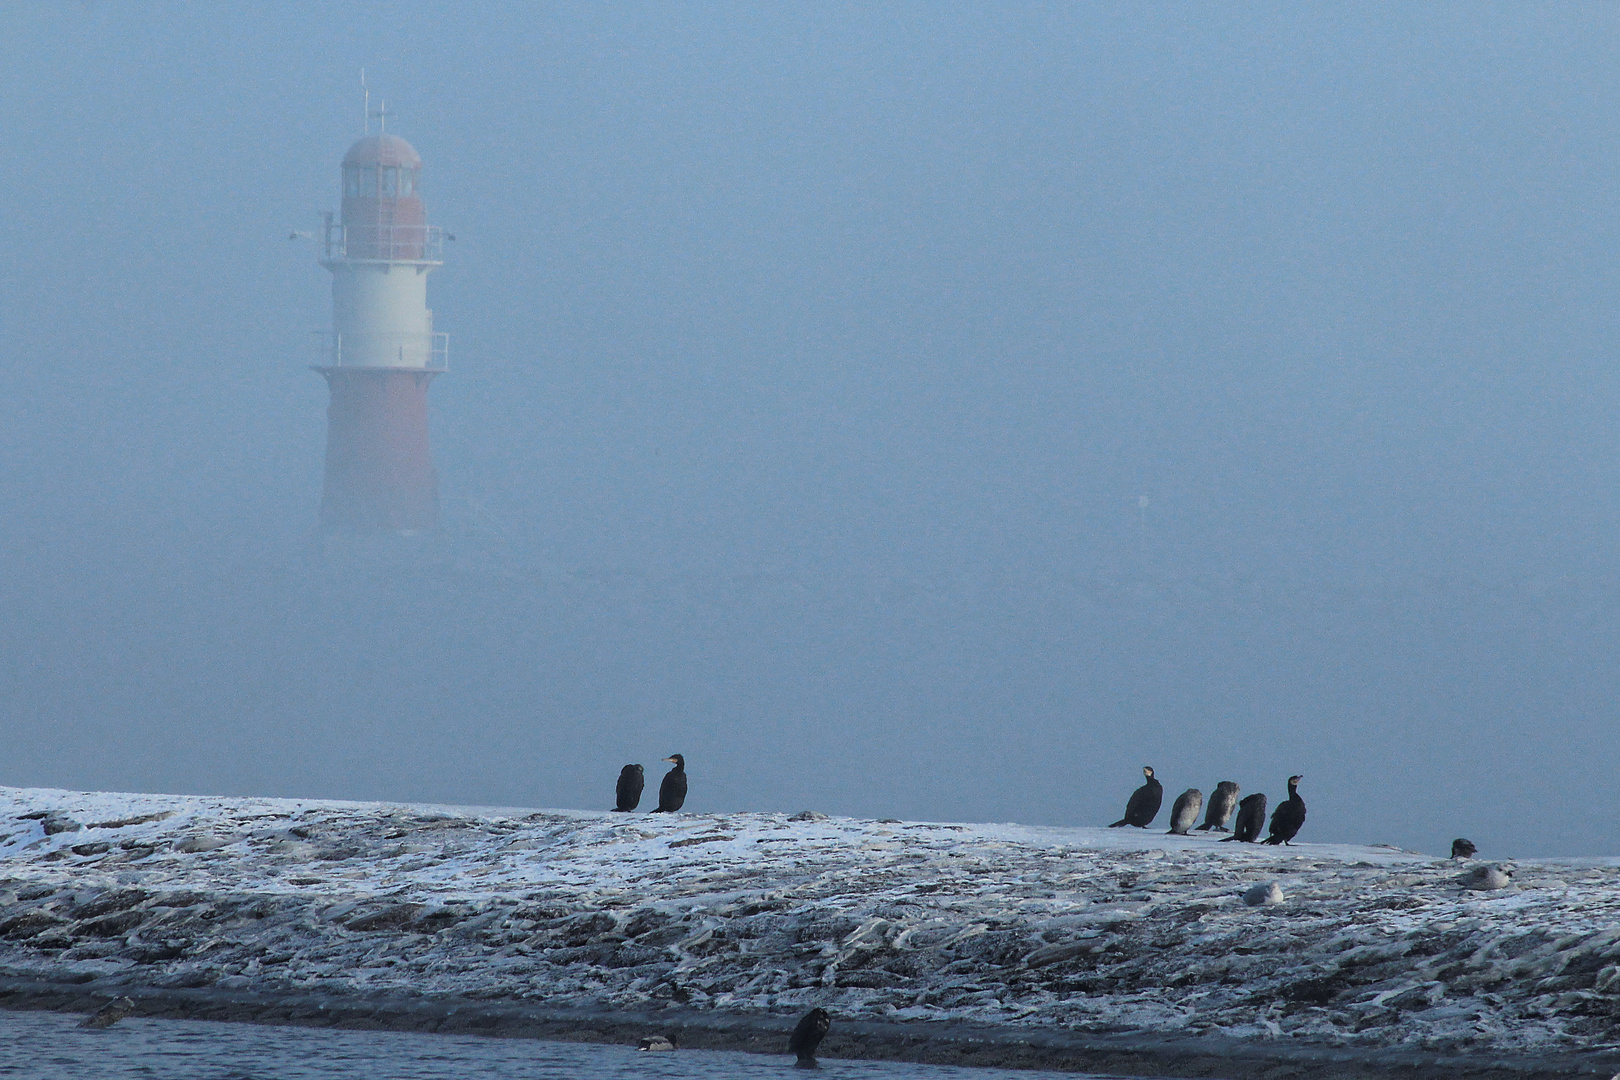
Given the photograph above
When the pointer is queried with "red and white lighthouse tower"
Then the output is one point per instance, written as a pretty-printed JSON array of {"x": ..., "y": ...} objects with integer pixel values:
[{"x": 381, "y": 352}]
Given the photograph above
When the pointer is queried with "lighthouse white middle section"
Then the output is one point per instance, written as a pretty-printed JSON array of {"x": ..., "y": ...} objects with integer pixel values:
[{"x": 380, "y": 313}]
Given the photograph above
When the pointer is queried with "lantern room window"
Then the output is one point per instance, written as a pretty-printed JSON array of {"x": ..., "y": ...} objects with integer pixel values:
[{"x": 368, "y": 181}]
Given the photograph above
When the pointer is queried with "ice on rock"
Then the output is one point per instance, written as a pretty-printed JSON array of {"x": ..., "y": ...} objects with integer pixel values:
[
  {"x": 201, "y": 842},
  {"x": 1487, "y": 878},
  {"x": 1059, "y": 928}
]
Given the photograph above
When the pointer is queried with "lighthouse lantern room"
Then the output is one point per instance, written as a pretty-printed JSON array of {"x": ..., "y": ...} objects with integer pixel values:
[{"x": 382, "y": 351}]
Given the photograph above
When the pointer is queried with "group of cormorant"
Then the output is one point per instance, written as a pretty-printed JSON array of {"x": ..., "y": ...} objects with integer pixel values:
[
  {"x": 671, "y": 793},
  {"x": 1286, "y": 820}
]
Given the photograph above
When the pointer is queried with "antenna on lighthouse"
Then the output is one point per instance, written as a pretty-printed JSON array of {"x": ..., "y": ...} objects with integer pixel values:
[
  {"x": 382, "y": 114},
  {"x": 365, "y": 109}
]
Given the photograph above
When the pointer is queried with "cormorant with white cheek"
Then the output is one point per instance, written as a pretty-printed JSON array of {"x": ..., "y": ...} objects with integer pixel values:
[
  {"x": 1144, "y": 804},
  {"x": 1289, "y": 815}
]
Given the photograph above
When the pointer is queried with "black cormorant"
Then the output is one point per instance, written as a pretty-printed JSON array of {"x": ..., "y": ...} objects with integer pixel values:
[
  {"x": 1144, "y": 804},
  {"x": 1462, "y": 848},
  {"x": 1289, "y": 815},
  {"x": 1251, "y": 818},
  {"x": 807, "y": 1036},
  {"x": 632, "y": 778},
  {"x": 1222, "y": 801},
  {"x": 672, "y": 792},
  {"x": 1185, "y": 810}
]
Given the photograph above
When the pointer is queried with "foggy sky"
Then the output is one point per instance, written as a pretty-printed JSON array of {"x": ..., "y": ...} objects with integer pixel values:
[{"x": 810, "y": 368}]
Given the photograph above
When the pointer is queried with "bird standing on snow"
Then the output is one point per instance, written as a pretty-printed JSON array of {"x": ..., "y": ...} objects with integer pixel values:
[
  {"x": 1289, "y": 815},
  {"x": 1222, "y": 801},
  {"x": 672, "y": 792},
  {"x": 632, "y": 778},
  {"x": 807, "y": 1036},
  {"x": 1463, "y": 848},
  {"x": 1185, "y": 811},
  {"x": 1144, "y": 804},
  {"x": 1251, "y": 818}
]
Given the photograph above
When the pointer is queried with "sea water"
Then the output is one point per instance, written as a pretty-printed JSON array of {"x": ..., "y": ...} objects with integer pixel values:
[{"x": 52, "y": 1046}]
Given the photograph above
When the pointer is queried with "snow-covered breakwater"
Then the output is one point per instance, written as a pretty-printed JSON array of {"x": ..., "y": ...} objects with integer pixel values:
[{"x": 1117, "y": 934}]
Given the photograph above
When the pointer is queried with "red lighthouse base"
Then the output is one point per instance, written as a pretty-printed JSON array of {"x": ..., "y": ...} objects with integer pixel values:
[{"x": 379, "y": 476}]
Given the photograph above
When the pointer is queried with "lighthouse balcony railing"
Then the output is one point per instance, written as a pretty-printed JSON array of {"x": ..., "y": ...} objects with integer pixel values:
[
  {"x": 384, "y": 242},
  {"x": 425, "y": 352}
]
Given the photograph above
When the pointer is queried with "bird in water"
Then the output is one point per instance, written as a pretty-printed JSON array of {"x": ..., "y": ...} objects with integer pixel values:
[
  {"x": 1463, "y": 848},
  {"x": 1251, "y": 818},
  {"x": 807, "y": 1036},
  {"x": 1144, "y": 804},
  {"x": 672, "y": 792},
  {"x": 109, "y": 1014},
  {"x": 1289, "y": 815},
  {"x": 1222, "y": 801},
  {"x": 1185, "y": 811},
  {"x": 658, "y": 1043},
  {"x": 632, "y": 778}
]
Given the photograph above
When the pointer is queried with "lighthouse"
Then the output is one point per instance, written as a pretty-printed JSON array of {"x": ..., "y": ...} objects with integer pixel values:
[{"x": 382, "y": 351}]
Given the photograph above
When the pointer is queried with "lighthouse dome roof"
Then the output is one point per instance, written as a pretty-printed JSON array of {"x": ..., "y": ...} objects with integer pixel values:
[{"x": 383, "y": 150}]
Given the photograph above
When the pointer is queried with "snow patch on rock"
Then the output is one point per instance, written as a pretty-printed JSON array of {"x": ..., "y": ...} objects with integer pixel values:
[{"x": 1091, "y": 929}]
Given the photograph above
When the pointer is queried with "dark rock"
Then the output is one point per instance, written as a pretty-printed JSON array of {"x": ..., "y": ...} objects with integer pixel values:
[
  {"x": 55, "y": 823},
  {"x": 141, "y": 820},
  {"x": 390, "y": 918},
  {"x": 109, "y": 1014},
  {"x": 339, "y": 854},
  {"x": 29, "y": 924},
  {"x": 115, "y": 925},
  {"x": 107, "y": 903}
]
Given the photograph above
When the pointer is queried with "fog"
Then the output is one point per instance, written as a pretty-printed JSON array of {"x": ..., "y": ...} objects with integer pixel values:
[{"x": 915, "y": 410}]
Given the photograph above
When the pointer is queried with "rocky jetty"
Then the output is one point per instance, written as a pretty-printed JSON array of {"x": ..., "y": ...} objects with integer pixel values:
[{"x": 1030, "y": 932}]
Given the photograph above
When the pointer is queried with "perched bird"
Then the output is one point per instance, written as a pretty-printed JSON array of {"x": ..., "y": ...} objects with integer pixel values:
[
  {"x": 1487, "y": 877},
  {"x": 807, "y": 1036},
  {"x": 658, "y": 1042},
  {"x": 1289, "y": 815},
  {"x": 1222, "y": 801},
  {"x": 1251, "y": 818},
  {"x": 632, "y": 778},
  {"x": 672, "y": 792},
  {"x": 1185, "y": 811},
  {"x": 109, "y": 1014},
  {"x": 1462, "y": 848},
  {"x": 1144, "y": 804},
  {"x": 1263, "y": 895}
]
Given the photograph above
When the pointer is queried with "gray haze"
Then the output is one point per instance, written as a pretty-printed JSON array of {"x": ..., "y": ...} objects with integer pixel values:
[{"x": 810, "y": 368}]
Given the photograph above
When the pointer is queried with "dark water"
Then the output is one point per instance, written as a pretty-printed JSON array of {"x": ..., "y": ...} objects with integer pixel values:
[{"x": 51, "y": 1046}]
